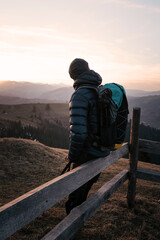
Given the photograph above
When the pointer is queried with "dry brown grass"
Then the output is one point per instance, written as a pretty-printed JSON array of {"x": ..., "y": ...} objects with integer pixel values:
[
  {"x": 26, "y": 164},
  {"x": 33, "y": 164}
]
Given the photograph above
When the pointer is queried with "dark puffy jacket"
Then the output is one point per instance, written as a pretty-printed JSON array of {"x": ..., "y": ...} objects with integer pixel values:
[{"x": 84, "y": 118}]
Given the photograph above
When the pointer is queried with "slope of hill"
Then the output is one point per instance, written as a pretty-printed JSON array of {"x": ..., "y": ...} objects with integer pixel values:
[
  {"x": 31, "y": 113},
  {"x": 26, "y": 164},
  {"x": 34, "y": 114},
  {"x": 150, "y": 109},
  {"x": 17, "y": 100},
  {"x": 150, "y": 105}
]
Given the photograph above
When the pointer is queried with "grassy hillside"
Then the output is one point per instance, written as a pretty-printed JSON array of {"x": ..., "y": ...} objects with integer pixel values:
[{"x": 26, "y": 165}]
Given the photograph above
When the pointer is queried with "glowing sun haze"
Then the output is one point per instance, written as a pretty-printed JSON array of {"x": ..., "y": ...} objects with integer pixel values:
[{"x": 119, "y": 38}]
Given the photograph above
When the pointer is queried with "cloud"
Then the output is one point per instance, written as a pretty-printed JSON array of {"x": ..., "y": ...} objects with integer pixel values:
[
  {"x": 131, "y": 4},
  {"x": 38, "y": 32},
  {"x": 39, "y": 42},
  {"x": 48, "y": 41}
]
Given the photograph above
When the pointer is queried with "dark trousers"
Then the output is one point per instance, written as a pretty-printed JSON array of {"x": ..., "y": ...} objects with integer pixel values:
[{"x": 79, "y": 195}]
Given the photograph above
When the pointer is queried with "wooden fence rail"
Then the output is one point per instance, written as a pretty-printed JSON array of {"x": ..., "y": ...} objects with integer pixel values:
[
  {"x": 73, "y": 222},
  {"x": 26, "y": 208},
  {"x": 148, "y": 175},
  {"x": 149, "y": 146}
]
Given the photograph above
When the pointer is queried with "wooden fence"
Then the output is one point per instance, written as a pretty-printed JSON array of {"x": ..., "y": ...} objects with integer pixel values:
[{"x": 21, "y": 211}]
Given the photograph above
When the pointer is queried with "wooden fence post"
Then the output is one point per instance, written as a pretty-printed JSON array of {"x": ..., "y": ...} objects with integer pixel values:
[{"x": 133, "y": 156}]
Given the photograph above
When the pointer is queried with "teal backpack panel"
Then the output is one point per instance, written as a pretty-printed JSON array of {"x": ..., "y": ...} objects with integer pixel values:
[{"x": 117, "y": 94}]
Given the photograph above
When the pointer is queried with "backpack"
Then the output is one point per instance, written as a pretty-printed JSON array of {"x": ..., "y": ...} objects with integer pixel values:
[{"x": 112, "y": 114}]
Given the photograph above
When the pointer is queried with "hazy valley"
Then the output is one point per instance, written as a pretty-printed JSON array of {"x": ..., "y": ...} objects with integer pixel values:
[{"x": 16, "y": 93}]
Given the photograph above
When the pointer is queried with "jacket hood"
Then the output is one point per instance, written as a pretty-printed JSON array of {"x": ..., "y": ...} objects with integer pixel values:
[{"x": 89, "y": 77}]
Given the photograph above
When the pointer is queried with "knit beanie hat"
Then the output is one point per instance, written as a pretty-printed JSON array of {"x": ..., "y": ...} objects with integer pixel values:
[{"x": 77, "y": 67}]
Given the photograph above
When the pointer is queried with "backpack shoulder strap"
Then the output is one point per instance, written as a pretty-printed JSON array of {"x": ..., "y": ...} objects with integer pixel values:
[
  {"x": 94, "y": 88},
  {"x": 119, "y": 87},
  {"x": 88, "y": 87}
]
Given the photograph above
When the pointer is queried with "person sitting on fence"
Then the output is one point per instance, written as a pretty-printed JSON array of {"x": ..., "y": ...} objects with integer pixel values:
[{"x": 83, "y": 125}]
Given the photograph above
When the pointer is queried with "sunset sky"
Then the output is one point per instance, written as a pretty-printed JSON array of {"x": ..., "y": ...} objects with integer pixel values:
[{"x": 119, "y": 38}]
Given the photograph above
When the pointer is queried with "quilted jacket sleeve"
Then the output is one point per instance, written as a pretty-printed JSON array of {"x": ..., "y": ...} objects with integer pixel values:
[{"x": 78, "y": 109}]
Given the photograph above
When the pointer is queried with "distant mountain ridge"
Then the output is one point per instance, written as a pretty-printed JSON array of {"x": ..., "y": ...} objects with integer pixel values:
[
  {"x": 53, "y": 93},
  {"x": 26, "y": 89},
  {"x": 141, "y": 93},
  {"x": 62, "y": 94}
]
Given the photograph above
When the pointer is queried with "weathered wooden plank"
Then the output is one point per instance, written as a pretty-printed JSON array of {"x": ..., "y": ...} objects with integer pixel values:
[
  {"x": 133, "y": 156},
  {"x": 149, "y": 146},
  {"x": 148, "y": 175},
  {"x": 69, "y": 226},
  {"x": 24, "y": 209}
]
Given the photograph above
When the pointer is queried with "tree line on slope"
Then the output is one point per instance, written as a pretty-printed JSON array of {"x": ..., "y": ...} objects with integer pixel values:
[
  {"x": 47, "y": 133},
  {"x": 55, "y": 135}
]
